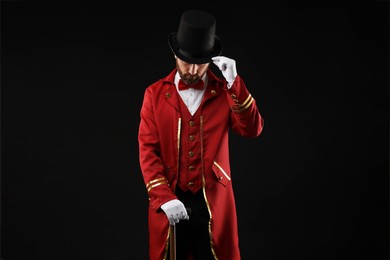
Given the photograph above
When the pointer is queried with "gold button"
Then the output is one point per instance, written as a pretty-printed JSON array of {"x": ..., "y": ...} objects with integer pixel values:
[
  {"x": 192, "y": 137},
  {"x": 191, "y": 153},
  {"x": 191, "y": 168},
  {"x": 168, "y": 95},
  {"x": 213, "y": 92},
  {"x": 190, "y": 184},
  {"x": 233, "y": 96},
  {"x": 192, "y": 123},
  {"x": 220, "y": 177}
]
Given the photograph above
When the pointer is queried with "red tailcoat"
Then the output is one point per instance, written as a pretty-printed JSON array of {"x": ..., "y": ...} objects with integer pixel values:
[{"x": 159, "y": 145}]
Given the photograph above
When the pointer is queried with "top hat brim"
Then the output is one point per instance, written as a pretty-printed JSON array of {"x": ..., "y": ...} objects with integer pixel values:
[{"x": 189, "y": 57}]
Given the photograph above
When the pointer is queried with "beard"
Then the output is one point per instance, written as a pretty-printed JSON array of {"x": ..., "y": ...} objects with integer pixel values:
[
  {"x": 190, "y": 79},
  {"x": 187, "y": 77}
]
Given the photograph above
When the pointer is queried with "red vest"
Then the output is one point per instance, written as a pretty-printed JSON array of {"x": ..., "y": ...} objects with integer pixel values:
[{"x": 190, "y": 174}]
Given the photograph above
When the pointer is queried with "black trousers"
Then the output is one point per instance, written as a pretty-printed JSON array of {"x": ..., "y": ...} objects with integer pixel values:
[{"x": 192, "y": 236}]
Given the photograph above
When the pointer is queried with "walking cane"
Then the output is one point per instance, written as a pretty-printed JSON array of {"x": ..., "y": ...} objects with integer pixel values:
[
  {"x": 172, "y": 242},
  {"x": 172, "y": 238}
]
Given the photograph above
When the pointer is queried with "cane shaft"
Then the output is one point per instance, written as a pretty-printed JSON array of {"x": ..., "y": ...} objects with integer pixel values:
[{"x": 172, "y": 242}]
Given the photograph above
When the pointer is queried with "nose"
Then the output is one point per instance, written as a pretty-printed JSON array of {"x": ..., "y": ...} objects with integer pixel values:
[{"x": 193, "y": 69}]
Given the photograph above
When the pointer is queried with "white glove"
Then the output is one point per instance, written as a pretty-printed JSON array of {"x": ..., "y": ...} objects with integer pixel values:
[
  {"x": 175, "y": 210},
  {"x": 228, "y": 68}
]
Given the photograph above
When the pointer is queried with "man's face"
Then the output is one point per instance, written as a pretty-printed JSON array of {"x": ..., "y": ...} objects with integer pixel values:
[{"x": 190, "y": 73}]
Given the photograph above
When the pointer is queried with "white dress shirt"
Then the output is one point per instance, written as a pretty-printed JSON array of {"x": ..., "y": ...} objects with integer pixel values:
[{"x": 191, "y": 97}]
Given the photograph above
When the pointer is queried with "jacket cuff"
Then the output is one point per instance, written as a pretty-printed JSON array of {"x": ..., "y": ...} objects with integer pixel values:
[
  {"x": 239, "y": 97},
  {"x": 159, "y": 192}
]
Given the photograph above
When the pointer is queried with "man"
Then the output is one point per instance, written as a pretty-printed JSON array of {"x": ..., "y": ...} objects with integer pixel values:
[{"x": 183, "y": 146}]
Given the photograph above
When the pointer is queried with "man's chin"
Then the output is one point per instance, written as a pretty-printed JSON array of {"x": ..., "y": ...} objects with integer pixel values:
[{"x": 190, "y": 81}]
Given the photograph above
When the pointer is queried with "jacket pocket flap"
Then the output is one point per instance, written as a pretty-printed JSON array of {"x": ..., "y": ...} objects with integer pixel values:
[{"x": 220, "y": 173}]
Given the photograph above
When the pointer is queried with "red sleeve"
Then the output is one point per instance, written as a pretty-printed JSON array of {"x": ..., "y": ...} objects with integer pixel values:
[
  {"x": 153, "y": 171},
  {"x": 246, "y": 119}
]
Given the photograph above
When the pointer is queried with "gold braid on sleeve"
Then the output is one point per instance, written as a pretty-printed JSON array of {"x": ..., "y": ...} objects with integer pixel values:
[
  {"x": 156, "y": 182},
  {"x": 238, "y": 108}
]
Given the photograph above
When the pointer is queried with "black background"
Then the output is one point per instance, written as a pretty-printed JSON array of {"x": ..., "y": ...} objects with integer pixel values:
[{"x": 313, "y": 186}]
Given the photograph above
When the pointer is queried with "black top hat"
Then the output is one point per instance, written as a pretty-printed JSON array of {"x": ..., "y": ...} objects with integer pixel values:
[{"x": 195, "y": 41}]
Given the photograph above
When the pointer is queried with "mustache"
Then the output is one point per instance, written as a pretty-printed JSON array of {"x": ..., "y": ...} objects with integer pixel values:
[{"x": 190, "y": 79}]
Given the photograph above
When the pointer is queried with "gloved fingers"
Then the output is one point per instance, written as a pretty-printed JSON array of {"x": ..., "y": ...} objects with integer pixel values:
[
  {"x": 171, "y": 220},
  {"x": 218, "y": 61},
  {"x": 179, "y": 216},
  {"x": 175, "y": 218},
  {"x": 175, "y": 211},
  {"x": 227, "y": 67},
  {"x": 184, "y": 214},
  {"x": 223, "y": 62}
]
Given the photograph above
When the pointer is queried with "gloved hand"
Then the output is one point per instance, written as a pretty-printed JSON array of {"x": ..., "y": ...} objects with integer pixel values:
[
  {"x": 227, "y": 67},
  {"x": 175, "y": 210}
]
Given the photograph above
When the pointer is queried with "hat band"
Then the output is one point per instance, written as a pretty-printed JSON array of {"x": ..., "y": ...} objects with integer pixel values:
[{"x": 191, "y": 55}]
